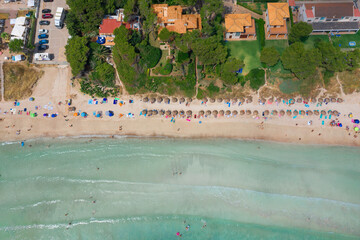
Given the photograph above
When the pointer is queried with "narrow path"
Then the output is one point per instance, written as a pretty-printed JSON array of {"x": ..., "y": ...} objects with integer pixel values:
[
  {"x": 2, "y": 81},
  {"x": 196, "y": 77},
  {"x": 124, "y": 92},
  {"x": 341, "y": 87}
]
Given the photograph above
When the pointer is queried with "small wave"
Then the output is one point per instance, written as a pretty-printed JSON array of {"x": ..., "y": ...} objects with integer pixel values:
[{"x": 36, "y": 204}]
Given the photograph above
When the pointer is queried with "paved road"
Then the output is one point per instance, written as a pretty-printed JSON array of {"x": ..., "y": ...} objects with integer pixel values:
[{"x": 2, "y": 82}]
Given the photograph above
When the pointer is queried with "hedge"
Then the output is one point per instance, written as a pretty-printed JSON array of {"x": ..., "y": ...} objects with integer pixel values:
[{"x": 260, "y": 32}]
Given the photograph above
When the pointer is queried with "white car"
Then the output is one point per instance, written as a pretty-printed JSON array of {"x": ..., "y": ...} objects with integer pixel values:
[{"x": 43, "y": 31}]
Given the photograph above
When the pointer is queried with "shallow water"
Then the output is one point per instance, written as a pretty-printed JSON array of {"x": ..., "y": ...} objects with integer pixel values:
[{"x": 136, "y": 188}]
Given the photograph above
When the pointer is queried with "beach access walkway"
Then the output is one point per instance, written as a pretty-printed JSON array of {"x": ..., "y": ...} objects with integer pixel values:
[{"x": 2, "y": 81}]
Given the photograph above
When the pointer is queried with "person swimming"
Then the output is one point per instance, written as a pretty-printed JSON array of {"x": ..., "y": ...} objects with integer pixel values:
[{"x": 187, "y": 228}]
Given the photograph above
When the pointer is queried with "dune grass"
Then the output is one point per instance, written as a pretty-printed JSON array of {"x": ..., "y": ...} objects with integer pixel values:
[{"x": 19, "y": 80}]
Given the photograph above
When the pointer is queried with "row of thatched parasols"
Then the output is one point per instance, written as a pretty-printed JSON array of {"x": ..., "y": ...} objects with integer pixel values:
[
  {"x": 189, "y": 100},
  {"x": 189, "y": 113}
]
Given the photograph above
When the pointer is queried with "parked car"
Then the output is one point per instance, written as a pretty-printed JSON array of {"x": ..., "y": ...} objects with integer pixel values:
[
  {"x": 44, "y": 41},
  {"x": 41, "y": 36},
  {"x": 48, "y": 0},
  {"x": 42, "y": 31},
  {"x": 43, "y": 47},
  {"x": 47, "y": 15},
  {"x": 44, "y": 22},
  {"x": 46, "y": 10}
]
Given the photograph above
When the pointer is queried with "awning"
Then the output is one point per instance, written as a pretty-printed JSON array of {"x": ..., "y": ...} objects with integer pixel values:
[
  {"x": 31, "y": 3},
  {"x": 20, "y": 21},
  {"x": 18, "y": 31}
]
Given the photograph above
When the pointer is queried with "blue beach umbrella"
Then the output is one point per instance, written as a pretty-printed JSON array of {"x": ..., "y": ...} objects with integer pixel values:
[
  {"x": 83, "y": 114},
  {"x": 53, "y": 115},
  {"x": 31, "y": 99},
  {"x": 45, "y": 114}
]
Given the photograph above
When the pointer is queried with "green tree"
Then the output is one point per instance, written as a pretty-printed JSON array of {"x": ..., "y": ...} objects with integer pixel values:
[
  {"x": 270, "y": 56},
  {"x": 184, "y": 42},
  {"x": 104, "y": 74},
  {"x": 300, "y": 32},
  {"x": 87, "y": 14},
  {"x": 129, "y": 8},
  {"x": 5, "y": 36},
  {"x": 301, "y": 62},
  {"x": 353, "y": 59},
  {"x": 256, "y": 77},
  {"x": 16, "y": 45},
  {"x": 210, "y": 51},
  {"x": 76, "y": 52},
  {"x": 101, "y": 53},
  {"x": 332, "y": 57},
  {"x": 164, "y": 35},
  {"x": 228, "y": 70},
  {"x": 148, "y": 16},
  {"x": 150, "y": 56}
]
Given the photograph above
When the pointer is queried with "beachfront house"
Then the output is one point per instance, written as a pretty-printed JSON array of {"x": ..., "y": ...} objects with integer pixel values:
[
  {"x": 331, "y": 17},
  {"x": 172, "y": 18},
  {"x": 277, "y": 15},
  {"x": 110, "y": 23},
  {"x": 239, "y": 27}
]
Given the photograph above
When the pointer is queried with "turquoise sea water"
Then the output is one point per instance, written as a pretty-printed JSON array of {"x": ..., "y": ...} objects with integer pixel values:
[{"x": 138, "y": 188}]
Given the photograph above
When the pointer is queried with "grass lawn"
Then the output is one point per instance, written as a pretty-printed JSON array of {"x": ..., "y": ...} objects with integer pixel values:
[
  {"x": 310, "y": 42},
  {"x": 280, "y": 45},
  {"x": 249, "y": 51},
  {"x": 19, "y": 80},
  {"x": 344, "y": 39}
]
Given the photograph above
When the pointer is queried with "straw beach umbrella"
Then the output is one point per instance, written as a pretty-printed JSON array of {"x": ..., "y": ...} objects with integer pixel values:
[
  {"x": 327, "y": 100},
  {"x": 144, "y": 112},
  {"x": 205, "y": 100},
  {"x": 208, "y": 113},
  {"x": 333, "y": 100},
  {"x": 227, "y": 99},
  {"x": 215, "y": 113},
  {"x": 145, "y": 99},
  {"x": 174, "y": 100},
  {"x": 296, "y": 113},
  {"x": 309, "y": 112},
  {"x": 189, "y": 100},
  {"x": 182, "y": 112},
  {"x": 150, "y": 113},
  {"x": 271, "y": 100},
  {"x": 323, "y": 112},
  {"x": 274, "y": 112},
  {"x": 162, "y": 112},
  {"x": 313, "y": 100},
  {"x": 288, "y": 112},
  {"x": 189, "y": 113},
  {"x": 175, "y": 113},
  {"x": 201, "y": 112},
  {"x": 168, "y": 113},
  {"x": 336, "y": 113},
  {"x": 219, "y": 100},
  {"x": 282, "y": 112},
  {"x": 234, "y": 100},
  {"x": 159, "y": 99},
  {"x": 242, "y": 112},
  {"x": 212, "y": 100},
  {"x": 155, "y": 112},
  {"x": 234, "y": 112},
  {"x": 302, "y": 112},
  {"x": 182, "y": 100},
  {"x": 242, "y": 100},
  {"x": 339, "y": 100},
  {"x": 248, "y": 112},
  {"x": 330, "y": 112},
  {"x": 266, "y": 112},
  {"x": 249, "y": 100},
  {"x": 320, "y": 100},
  {"x": 167, "y": 100},
  {"x": 316, "y": 113},
  {"x": 299, "y": 100},
  {"x": 221, "y": 112},
  {"x": 228, "y": 112},
  {"x": 255, "y": 113},
  {"x": 152, "y": 100}
]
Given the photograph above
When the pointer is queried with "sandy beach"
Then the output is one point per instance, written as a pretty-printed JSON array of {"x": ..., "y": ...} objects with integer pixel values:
[{"x": 55, "y": 87}]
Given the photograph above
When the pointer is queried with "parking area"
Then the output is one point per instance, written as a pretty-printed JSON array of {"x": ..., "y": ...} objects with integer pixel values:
[{"x": 57, "y": 37}]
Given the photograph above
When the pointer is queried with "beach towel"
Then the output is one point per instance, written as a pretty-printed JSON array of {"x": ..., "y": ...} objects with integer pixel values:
[
  {"x": 115, "y": 101},
  {"x": 320, "y": 116},
  {"x": 325, "y": 117},
  {"x": 188, "y": 120},
  {"x": 294, "y": 117},
  {"x": 307, "y": 105},
  {"x": 322, "y": 123},
  {"x": 90, "y": 101},
  {"x": 329, "y": 116}
]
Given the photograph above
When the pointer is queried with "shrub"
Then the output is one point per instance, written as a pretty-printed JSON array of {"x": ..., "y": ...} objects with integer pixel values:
[
  {"x": 260, "y": 32},
  {"x": 212, "y": 89},
  {"x": 167, "y": 69},
  {"x": 182, "y": 57},
  {"x": 16, "y": 45},
  {"x": 256, "y": 77}
]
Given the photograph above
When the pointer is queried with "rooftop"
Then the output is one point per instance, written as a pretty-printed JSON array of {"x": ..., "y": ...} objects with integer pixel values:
[
  {"x": 277, "y": 13},
  {"x": 335, "y": 26},
  {"x": 331, "y": 10},
  {"x": 108, "y": 26},
  {"x": 237, "y": 22}
]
